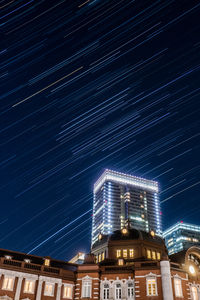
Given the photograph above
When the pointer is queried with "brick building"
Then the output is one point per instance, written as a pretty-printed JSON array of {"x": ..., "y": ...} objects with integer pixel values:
[{"x": 129, "y": 264}]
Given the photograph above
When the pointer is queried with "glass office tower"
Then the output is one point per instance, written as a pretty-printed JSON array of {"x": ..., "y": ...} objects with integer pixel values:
[
  {"x": 119, "y": 198},
  {"x": 181, "y": 236}
]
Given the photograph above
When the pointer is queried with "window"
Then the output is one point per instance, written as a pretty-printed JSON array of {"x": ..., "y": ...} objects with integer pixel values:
[
  {"x": 8, "y": 283},
  {"x": 151, "y": 287},
  {"x": 130, "y": 290},
  {"x": 118, "y": 253},
  {"x": 100, "y": 257},
  {"x": 29, "y": 286},
  {"x": 67, "y": 291},
  {"x": 47, "y": 262},
  {"x": 49, "y": 289},
  {"x": 106, "y": 291},
  {"x": 148, "y": 254},
  {"x": 178, "y": 287},
  {"x": 118, "y": 291},
  {"x": 153, "y": 255},
  {"x": 87, "y": 289},
  {"x": 120, "y": 262},
  {"x": 131, "y": 252},
  {"x": 124, "y": 253},
  {"x": 194, "y": 293},
  {"x": 158, "y": 255},
  {"x": 103, "y": 256}
]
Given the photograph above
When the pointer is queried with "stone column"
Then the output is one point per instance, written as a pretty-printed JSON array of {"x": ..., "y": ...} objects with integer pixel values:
[
  {"x": 39, "y": 289},
  {"x": 166, "y": 280},
  {"x": 18, "y": 289},
  {"x": 58, "y": 291}
]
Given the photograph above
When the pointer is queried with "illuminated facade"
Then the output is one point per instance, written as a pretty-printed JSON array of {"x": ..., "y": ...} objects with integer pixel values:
[
  {"x": 181, "y": 236},
  {"x": 126, "y": 265},
  {"x": 120, "y": 197}
]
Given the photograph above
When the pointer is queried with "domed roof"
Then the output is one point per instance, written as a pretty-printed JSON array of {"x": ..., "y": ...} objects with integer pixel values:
[
  {"x": 131, "y": 234},
  {"x": 135, "y": 234}
]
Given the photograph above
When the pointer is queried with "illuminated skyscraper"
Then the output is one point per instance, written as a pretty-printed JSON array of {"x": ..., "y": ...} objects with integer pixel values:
[
  {"x": 121, "y": 197},
  {"x": 181, "y": 236}
]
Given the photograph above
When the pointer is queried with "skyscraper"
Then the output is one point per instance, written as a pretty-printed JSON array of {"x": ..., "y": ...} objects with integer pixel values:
[
  {"x": 119, "y": 198},
  {"x": 181, "y": 236}
]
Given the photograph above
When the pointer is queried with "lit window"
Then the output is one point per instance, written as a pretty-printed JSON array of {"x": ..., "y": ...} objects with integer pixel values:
[
  {"x": 47, "y": 262},
  {"x": 194, "y": 293},
  {"x": 131, "y": 252},
  {"x": 103, "y": 256},
  {"x": 151, "y": 287},
  {"x": 86, "y": 289},
  {"x": 8, "y": 257},
  {"x": 118, "y": 291},
  {"x": 120, "y": 262},
  {"x": 148, "y": 253},
  {"x": 8, "y": 283},
  {"x": 158, "y": 255},
  {"x": 118, "y": 253},
  {"x": 67, "y": 291},
  {"x": 124, "y": 253},
  {"x": 178, "y": 287},
  {"x": 29, "y": 286},
  {"x": 130, "y": 290},
  {"x": 153, "y": 255},
  {"x": 100, "y": 257},
  {"x": 106, "y": 291},
  {"x": 49, "y": 289},
  {"x": 28, "y": 261}
]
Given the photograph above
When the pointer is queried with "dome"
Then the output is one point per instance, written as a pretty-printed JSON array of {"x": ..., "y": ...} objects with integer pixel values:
[{"x": 135, "y": 234}]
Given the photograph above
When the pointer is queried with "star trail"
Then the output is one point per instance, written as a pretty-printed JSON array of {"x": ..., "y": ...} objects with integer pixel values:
[{"x": 89, "y": 85}]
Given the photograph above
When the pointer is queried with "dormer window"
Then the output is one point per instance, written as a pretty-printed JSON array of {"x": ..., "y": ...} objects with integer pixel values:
[
  {"x": 8, "y": 257},
  {"x": 27, "y": 260},
  {"x": 118, "y": 253},
  {"x": 125, "y": 253},
  {"x": 47, "y": 262}
]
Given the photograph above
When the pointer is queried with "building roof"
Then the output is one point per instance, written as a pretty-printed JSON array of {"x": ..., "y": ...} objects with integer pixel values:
[
  {"x": 132, "y": 234},
  {"x": 125, "y": 179},
  {"x": 181, "y": 225},
  {"x": 36, "y": 260}
]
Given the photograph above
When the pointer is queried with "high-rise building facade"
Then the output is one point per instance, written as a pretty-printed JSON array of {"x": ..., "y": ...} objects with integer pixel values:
[
  {"x": 119, "y": 198},
  {"x": 181, "y": 236}
]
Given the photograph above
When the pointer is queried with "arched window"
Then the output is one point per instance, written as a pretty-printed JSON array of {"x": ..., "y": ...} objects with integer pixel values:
[
  {"x": 106, "y": 291},
  {"x": 118, "y": 291},
  {"x": 130, "y": 291},
  {"x": 194, "y": 293}
]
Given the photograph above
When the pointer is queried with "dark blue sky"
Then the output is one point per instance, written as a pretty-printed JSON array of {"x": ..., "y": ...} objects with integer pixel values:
[{"x": 88, "y": 85}]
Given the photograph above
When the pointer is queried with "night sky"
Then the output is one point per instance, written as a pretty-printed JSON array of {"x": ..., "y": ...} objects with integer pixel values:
[{"x": 89, "y": 85}]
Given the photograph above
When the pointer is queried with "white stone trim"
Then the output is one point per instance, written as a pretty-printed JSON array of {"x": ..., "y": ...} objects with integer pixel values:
[
  {"x": 148, "y": 275},
  {"x": 178, "y": 276},
  {"x": 18, "y": 274},
  {"x": 5, "y": 297},
  {"x": 50, "y": 279}
]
